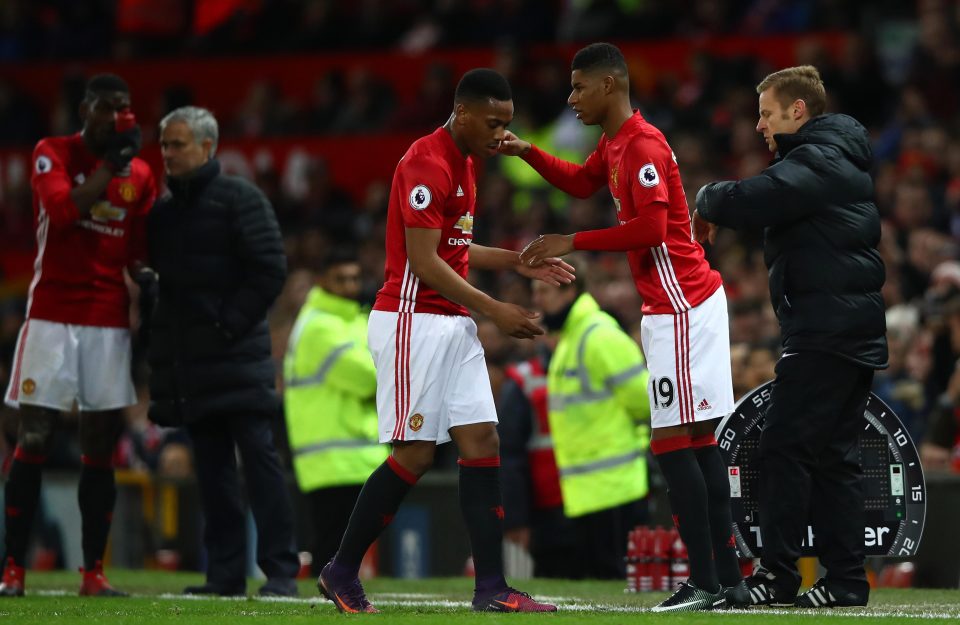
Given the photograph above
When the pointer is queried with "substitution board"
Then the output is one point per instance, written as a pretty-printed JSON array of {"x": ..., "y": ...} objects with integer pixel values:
[{"x": 895, "y": 493}]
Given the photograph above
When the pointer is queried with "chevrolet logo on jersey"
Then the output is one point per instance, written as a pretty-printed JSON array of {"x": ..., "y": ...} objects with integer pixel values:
[
  {"x": 105, "y": 211},
  {"x": 465, "y": 224}
]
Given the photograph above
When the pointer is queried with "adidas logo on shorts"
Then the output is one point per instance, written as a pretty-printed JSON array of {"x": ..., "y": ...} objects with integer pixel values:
[{"x": 703, "y": 405}]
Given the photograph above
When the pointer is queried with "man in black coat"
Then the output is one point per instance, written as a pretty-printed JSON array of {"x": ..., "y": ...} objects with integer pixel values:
[
  {"x": 216, "y": 247},
  {"x": 821, "y": 229}
]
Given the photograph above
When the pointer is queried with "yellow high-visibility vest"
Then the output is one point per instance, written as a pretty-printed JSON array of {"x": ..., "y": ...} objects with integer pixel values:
[
  {"x": 329, "y": 394},
  {"x": 599, "y": 411}
]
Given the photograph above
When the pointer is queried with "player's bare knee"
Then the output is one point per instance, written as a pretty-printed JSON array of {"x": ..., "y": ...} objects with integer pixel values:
[
  {"x": 476, "y": 441},
  {"x": 37, "y": 425},
  {"x": 415, "y": 456},
  {"x": 99, "y": 432},
  {"x": 671, "y": 431},
  {"x": 705, "y": 428},
  {"x": 35, "y": 443},
  {"x": 37, "y": 439}
]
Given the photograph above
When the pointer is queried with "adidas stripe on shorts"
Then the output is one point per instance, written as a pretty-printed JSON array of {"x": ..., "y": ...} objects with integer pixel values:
[
  {"x": 431, "y": 375},
  {"x": 688, "y": 356}
]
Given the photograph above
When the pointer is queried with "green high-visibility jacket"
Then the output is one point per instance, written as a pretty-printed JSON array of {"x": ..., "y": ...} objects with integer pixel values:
[
  {"x": 329, "y": 394},
  {"x": 599, "y": 411}
]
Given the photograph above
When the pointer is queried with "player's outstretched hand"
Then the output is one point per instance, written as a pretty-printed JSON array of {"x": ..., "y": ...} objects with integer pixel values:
[
  {"x": 516, "y": 321},
  {"x": 546, "y": 246},
  {"x": 553, "y": 271},
  {"x": 702, "y": 229},
  {"x": 512, "y": 145}
]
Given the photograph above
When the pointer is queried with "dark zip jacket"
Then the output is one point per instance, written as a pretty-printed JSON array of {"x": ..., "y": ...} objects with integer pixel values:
[
  {"x": 821, "y": 230},
  {"x": 216, "y": 247}
]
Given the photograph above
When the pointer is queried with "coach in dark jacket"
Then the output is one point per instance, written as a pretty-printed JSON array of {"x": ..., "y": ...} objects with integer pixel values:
[
  {"x": 821, "y": 231},
  {"x": 216, "y": 247}
]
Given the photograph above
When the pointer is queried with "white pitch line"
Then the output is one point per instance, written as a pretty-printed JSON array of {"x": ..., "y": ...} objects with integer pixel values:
[{"x": 565, "y": 604}]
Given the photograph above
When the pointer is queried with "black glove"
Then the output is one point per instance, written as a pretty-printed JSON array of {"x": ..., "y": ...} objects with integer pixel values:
[
  {"x": 122, "y": 147},
  {"x": 146, "y": 279}
]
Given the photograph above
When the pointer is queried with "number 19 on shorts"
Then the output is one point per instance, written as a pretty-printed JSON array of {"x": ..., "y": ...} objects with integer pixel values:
[{"x": 661, "y": 392}]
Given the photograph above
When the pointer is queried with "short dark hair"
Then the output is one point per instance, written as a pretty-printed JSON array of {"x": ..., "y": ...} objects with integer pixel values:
[
  {"x": 483, "y": 83},
  {"x": 106, "y": 82},
  {"x": 338, "y": 255},
  {"x": 599, "y": 56}
]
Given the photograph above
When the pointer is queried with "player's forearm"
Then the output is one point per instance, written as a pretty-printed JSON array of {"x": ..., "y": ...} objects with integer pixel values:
[
  {"x": 635, "y": 234},
  {"x": 431, "y": 270},
  {"x": 492, "y": 258},
  {"x": 85, "y": 195},
  {"x": 566, "y": 176}
]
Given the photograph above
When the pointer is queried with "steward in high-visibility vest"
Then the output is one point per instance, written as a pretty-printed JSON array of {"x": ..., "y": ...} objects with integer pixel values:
[
  {"x": 599, "y": 411},
  {"x": 599, "y": 420},
  {"x": 329, "y": 400}
]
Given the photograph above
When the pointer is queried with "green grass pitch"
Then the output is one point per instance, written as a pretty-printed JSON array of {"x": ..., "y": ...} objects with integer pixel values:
[{"x": 51, "y": 600}]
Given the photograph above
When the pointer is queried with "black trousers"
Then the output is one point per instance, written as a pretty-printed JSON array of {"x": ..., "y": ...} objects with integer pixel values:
[
  {"x": 553, "y": 538},
  {"x": 225, "y": 537},
  {"x": 601, "y": 540},
  {"x": 327, "y": 514},
  {"x": 810, "y": 468}
]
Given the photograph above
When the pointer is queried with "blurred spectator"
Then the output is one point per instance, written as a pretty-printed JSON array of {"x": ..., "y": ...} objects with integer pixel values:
[
  {"x": 431, "y": 101},
  {"x": 325, "y": 102},
  {"x": 325, "y": 205},
  {"x": 532, "y": 502},
  {"x": 366, "y": 105},
  {"x": 263, "y": 112},
  {"x": 19, "y": 123}
]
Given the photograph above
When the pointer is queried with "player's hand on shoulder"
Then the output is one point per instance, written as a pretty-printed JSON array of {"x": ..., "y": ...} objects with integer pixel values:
[
  {"x": 512, "y": 145},
  {"x": 553, "y": 271},
  {"x": 516, "y": 321}
]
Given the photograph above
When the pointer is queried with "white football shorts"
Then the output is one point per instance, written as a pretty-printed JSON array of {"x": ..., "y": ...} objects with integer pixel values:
[
  {"x": 55, "y": 364},
  {"x": 431, "y": 375},
  {"x": 688, "y": 355}
]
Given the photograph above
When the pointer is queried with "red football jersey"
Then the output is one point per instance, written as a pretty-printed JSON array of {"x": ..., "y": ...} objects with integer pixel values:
[
  {"x": 641, "y": 172},
  {"x": 434, "y": 186},
  {"x": 78, "y": 272}
]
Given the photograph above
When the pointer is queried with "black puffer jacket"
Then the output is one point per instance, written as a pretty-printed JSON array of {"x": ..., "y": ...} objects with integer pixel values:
[
  {"x": 216, "y": 246},
  {"x": 821, "y": 232}
]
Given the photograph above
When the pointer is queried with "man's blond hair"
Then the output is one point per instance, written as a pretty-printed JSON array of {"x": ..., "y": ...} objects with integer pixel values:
[{"x": 797, "y": 83}]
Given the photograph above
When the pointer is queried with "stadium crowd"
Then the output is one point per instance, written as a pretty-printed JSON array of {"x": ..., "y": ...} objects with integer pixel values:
[{"x": 898, "y": 73}]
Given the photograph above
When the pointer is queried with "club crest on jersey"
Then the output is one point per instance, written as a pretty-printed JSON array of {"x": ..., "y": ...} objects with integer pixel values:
[
  {"x": 648, "y": 175},
  {"x": 613, "y": 176},
  {"x": 28, "y": 386},
  {"x": 420, "y": 197},
  {"x": 416, "y": 422},
  {"x": 43, "y": 164},
  {"x": 127, "y": 191},
  {"x": 105, "y": 211}
]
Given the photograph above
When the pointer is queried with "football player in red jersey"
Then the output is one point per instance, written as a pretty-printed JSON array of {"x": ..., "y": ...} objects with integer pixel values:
[
  {"x": 684, "y": 331},
  {"x": 432, "y": 382},
  {"x": 90, "y": 200}
]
